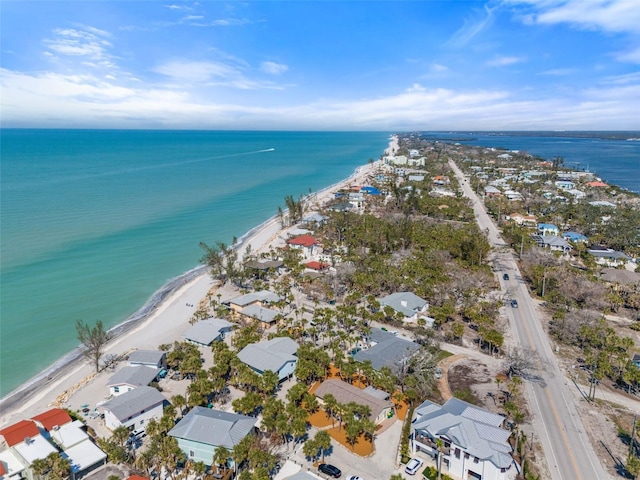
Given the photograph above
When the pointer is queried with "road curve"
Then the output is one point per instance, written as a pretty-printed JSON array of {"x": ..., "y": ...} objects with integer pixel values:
[{"x": 567, "y": 450}]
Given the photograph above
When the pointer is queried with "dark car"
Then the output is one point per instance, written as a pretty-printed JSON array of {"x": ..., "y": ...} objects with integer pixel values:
[
  {"x": 514, "y": 303},
  {"x": 505, "y": 276},
  {"x": 330, "y": 470}
]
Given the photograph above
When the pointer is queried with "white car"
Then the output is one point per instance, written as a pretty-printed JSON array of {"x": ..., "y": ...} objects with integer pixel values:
[
  {"x": 354, "y": 477},
  {"x": 413, "y": 466}
]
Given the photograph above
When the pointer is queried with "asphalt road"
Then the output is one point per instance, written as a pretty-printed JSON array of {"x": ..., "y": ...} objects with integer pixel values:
[{"x": 566, "y": 447}]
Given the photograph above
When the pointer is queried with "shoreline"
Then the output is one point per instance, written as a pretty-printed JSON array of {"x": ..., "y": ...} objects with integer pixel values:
[{"x": 71, "y": 372}]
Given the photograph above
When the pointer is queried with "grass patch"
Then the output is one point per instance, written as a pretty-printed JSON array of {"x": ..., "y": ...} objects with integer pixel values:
[{"x": 467, "y": 395}]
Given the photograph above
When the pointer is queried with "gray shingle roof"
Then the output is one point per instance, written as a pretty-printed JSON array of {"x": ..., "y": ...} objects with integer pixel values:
[
  {"x": 269, "y": 355},
  {"x": 263, "y": 314},
  {"x": 345, "y": 393},
  {"x": 146, "y": 357},
  {"x": 406, "y": 303},
  {"x": 206, "y": 331},
  {"x": 213, "y": 427},
  {"x": 388, "y": 350},
  {"x": 133, "y": 402},
  {"x": 260, "y": 296},
  {"x": 136, "y": 376},
  {"x": 474, "y": 429}
]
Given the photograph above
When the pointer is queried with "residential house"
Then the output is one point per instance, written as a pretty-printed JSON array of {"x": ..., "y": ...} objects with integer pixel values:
[
  {"x": 575, "y": 237},
  {"x": 386, "y": 349},
  {"x": 265, "y": 316},
  {"x": 608, "y": 256},
  {"x": 205, "y": 332},
  {"x": 259, "y": 298},
  {"x": 52, "y": 418},
  {"x": 491, "y": 191},
  {"x": 548, "y": 229},
  {"x": 577, "y": 194},
  {"x": 154, "y": 359},
  {"x": 407, "y": 304},
  {"x": 133, "y": 409},
  {"x": 318, "y": 266},
  {"x": 602, "y": 203},
  {"x": 414, "y": 177},
  {"x": 314, "y": 219},
  {"x": 369, "y": 190},
  {"x": 564, "y": 184},
  {"x": 203, "y": 430},
  {"x": 475, "y": 445},
  {"x": 344, "y": 393},
  {"x": 356, "y": 199},
  {"x": 307, "y": 244},
  {"x": 129, "y": 378},
  {"x": 22, "y": 444},
  {"x": 416, "y": 162},
  {"x": 521, "y": 219},
  {"x": 597, "y": 184},
  {"x": 84, "y": 455},
  {"x": 552, "y": 242},
  {"x": 261, "y": 267},
  {"x": 395, "y": 160},
  {"x": 277, "y": 355},
  {"x": 513, "y": 195}
]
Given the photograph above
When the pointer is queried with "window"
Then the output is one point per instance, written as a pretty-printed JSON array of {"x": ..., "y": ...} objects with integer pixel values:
[
  {"x": 191, "y": 454},
  {"x": 466, "y": 455},
  {"x": 476, "y": 459},
  {"x": 457, "y": 453},
  {"x": 116, "y": 389}
]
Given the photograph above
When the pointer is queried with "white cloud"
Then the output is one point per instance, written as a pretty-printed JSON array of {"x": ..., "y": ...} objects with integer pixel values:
[
  {"x": 196, "y": 72},
  {"x": 629, "y": 56},
  {"x": 503, "y": 61},
  {"x": 89, "y": 43},
  {"x": 472, "y": 27},
  {"x": 606, "y": 15},
  {"x": 559, "y": 72},
  {"x": 54, "y": 100},
  {"x": 436, "y": 67},
  {"x": 273, "y": 68}
]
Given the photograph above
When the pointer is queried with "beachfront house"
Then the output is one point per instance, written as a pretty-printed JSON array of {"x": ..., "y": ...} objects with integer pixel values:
[
  {"x": 407, "y": 304},
  {"x": 203, "y": 430},
  {"x": 344, "y": 393},
  {"x": 51, "y": 419},
  {"x": 260, "y": 298},
  {"x": 475, "y": 445},
  {"x": 76, "y": 445},
  {"x": 265, "y": 316},
  {"x": 129, "y": 378},
  {"x": 205, "y": 332},
  {"x": 133, "y": 409},
  {"x": 575, "y": 237},
  {"x": 22, "y": 444},
  {"x": 307, "y": 245},
  {"x": 154, "y": 359},
  {"x": 385, "y": 349},
  {"x": 277, "y": 355}
]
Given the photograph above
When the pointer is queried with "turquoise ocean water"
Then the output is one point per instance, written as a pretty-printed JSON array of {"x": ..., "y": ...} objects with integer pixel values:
[{"x": 94, "y": 222}]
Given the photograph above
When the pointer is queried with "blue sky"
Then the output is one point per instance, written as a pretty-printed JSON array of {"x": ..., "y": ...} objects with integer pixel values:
[{"x": 356, "y": 65}]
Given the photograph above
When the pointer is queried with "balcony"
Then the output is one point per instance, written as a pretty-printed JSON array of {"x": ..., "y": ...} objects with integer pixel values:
[{"x": 430, "y": 443}]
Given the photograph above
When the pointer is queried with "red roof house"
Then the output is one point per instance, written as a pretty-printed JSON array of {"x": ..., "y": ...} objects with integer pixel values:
[
  {"x": 303, "y": 241},
  {"x": 314, "y": 265},
  {"x": 16, "y": 433},
  {"x": 52, "y": 418}
]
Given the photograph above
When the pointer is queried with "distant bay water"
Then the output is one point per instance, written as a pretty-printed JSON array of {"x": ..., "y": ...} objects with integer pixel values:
[
  {"x": 95, "y": 221},
  {"x": 613, "y": 156}
]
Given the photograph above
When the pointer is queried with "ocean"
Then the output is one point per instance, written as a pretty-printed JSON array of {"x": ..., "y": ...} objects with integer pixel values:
[{"x": 93, "y": 222}]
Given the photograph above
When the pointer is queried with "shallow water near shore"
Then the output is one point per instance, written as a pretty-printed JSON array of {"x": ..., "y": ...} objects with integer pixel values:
[{"x": 95, "y": 222}]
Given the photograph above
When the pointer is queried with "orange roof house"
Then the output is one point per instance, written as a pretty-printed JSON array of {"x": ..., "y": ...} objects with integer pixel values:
[
  {"x": 52, "y": 418},
  {"x": 597, "y": 184},
  {"x": 16, "y": 433}
]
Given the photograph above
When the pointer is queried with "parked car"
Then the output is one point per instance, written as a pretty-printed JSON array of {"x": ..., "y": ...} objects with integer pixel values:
[
  {"x": 413, "y": 466},
  {"x": 505, "y": 276},
  {"x": 514, "y": 303},
  {"x": 354, "y": 477},
  {"x": 330, "y": 470}
]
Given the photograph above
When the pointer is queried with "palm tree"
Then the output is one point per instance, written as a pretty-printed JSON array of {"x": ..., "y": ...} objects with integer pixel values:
[
  {"x": 179, "y": 402},
  {"x": 330, "y": 405},
  {"x": 221, "y": 457},
  {"x": 323, "y": 441}
]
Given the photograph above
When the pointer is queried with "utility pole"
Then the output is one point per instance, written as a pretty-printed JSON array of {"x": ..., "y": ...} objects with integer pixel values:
[
  {"x": 521, "y": 246},
  {"x": 633, "y": 436}
]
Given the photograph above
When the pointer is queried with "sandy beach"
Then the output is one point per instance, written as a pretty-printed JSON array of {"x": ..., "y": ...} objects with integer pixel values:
[{"x": 76, "y": 383}]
